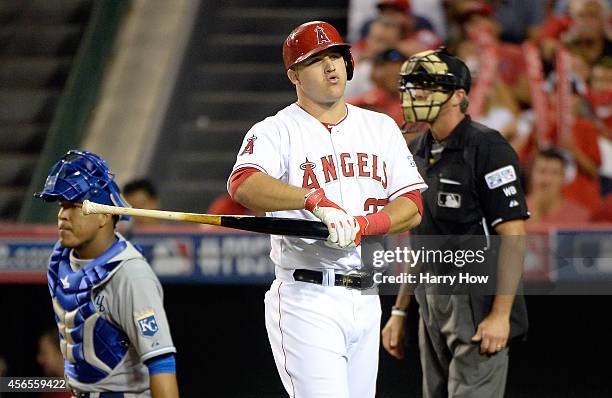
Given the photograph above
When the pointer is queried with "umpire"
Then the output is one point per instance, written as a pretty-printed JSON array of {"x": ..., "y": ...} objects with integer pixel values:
[{"x": 474, "y": 189}]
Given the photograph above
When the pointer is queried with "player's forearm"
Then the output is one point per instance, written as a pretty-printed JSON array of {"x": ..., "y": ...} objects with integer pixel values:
[
  {"x": 164, "y": 385},
  {"x": 510, "y": 265},
  {"x": 260, "y": 192},
  {"x": 403, "y": 213}
]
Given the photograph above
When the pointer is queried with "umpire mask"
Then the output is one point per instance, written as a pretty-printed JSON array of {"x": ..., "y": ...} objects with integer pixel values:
[{"x": 428, "y": 80}]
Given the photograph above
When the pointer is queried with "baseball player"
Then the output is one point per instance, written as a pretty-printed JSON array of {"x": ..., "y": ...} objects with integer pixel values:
[
  {"x": 108, "y": 303},
  {"x": 474, "y": 189},
  {"x": 321, "y": 159}
]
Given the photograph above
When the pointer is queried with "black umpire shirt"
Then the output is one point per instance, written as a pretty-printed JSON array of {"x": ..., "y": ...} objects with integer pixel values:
[{"x": 474, "y": 185}]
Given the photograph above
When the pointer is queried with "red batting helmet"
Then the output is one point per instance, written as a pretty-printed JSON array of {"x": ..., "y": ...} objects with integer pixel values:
[{"x": 311, "y": 38}]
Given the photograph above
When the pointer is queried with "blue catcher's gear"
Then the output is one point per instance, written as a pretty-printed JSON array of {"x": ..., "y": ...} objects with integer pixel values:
[
  {"x": 81, "y": 175},
  {"x": 92, "y": 346}
]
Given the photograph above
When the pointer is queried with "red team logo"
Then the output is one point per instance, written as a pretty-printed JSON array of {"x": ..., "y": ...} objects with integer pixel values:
[
  {"x": 321, "y": 36},
  {"x": 248, "y": 149},
  {"x": 310, "y": 178}
]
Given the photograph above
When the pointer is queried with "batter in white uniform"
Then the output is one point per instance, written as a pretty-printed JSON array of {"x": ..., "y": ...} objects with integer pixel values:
[{"x": 321, "y": 159}]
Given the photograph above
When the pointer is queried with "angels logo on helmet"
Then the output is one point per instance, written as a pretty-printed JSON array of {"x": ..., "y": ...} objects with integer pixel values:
[{"x": 311, "y": 38}]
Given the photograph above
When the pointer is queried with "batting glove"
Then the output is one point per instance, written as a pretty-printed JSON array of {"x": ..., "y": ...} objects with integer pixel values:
[
  {"x": 363, "y": 225},
  {"x": 343, "y": 227},
  {"x": 372, "y": 224}
]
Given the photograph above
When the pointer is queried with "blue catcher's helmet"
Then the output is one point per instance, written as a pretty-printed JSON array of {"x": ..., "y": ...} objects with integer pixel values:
[{"x": 79, "y": 176}]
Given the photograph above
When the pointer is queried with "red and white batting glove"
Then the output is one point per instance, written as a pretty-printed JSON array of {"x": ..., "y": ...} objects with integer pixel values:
[
  {"x": 372, "y": 224},
  {"x": 343, "y": 227}
]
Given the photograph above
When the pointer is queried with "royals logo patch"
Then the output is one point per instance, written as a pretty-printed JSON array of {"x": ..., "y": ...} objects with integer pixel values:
[{"x": 147, "y": 324}]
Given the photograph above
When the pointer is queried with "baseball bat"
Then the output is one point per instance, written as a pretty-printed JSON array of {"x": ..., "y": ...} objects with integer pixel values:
[{"x": 267, "y": 225}]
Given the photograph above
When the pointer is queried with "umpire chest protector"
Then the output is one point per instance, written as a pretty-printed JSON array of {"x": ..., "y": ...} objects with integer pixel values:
[
  {"x": 92, "y": 347},
  {"x": 453, "y": 205}
]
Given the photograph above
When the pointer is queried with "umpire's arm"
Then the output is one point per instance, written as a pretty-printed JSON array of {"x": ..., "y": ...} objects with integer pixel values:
[
  {"x": 505, "y": 208},
  {"x": 494, "y": 330},
  {"x": 510, "y": 264}
]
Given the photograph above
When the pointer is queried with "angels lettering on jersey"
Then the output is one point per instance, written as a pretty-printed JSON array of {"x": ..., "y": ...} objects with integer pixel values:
[{"x": 360, "y": 165}]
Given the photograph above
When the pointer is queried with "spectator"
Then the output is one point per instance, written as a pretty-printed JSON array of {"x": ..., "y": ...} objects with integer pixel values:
[
  {"x": 605, "y": 172},
  {"x": 479, "y": 26},
  {"x": 50, "y": 359},
  {"x": 588, "y": 34},
  {"x": 580, "y": 141},
  {"x": 385, "y": 96},
  {"x": 395, "y": 27},
  {"x": 600, "y": 92},
  {"x": 545, "y": 200},
  {"x": 500, "y": 108},
  {"x": 582, "y": 145},
  {"x": 401, "y": 12},
  {"x": 142, "y": 194},
  {"x": 434, "y": 12},
  {"x": 519, "y": 20},
  {"x": 604, "y": 213},
  {"x": 600, "y": 96},
  {"x": 420, "y": 33},
  {"x": 384, "y": 33},
  {"x": 585, "y": 31}
]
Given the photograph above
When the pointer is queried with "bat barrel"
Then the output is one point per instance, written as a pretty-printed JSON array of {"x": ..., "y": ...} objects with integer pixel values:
[{"x": 278, "y": 226}]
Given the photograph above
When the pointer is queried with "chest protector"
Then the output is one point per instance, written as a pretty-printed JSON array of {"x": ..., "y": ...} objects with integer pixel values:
[{"x": 92, "y": 346}]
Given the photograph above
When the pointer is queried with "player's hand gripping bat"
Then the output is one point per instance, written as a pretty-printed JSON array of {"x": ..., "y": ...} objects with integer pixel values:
[{"x": 267, "y": 225}]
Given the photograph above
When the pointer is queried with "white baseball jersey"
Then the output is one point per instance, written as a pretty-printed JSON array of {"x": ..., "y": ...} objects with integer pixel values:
[
  {"x": 362, "y": 164},
  {"x": 325, "y": 338}
]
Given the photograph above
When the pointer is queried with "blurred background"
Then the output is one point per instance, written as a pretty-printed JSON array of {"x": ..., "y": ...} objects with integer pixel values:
[{"x": 166, "y": 90}]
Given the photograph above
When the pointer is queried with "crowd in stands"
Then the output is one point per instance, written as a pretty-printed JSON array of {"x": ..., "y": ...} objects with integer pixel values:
[{"x": 541, "y": 76}]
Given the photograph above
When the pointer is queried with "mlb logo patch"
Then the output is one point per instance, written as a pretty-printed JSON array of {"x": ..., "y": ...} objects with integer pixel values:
[
  {"x": 501, "y": 176},
  {"x": 147, "y": 324},
  {"x": 449, "y": 199}
]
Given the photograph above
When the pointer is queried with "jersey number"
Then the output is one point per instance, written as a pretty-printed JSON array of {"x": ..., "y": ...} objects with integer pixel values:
[{"x": 371, "y": 205}]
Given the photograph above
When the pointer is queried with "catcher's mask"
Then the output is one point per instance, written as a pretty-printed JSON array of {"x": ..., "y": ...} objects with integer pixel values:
[
  {"x": 81, "y": 175},
  {"x": 428, "y": 80}
]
